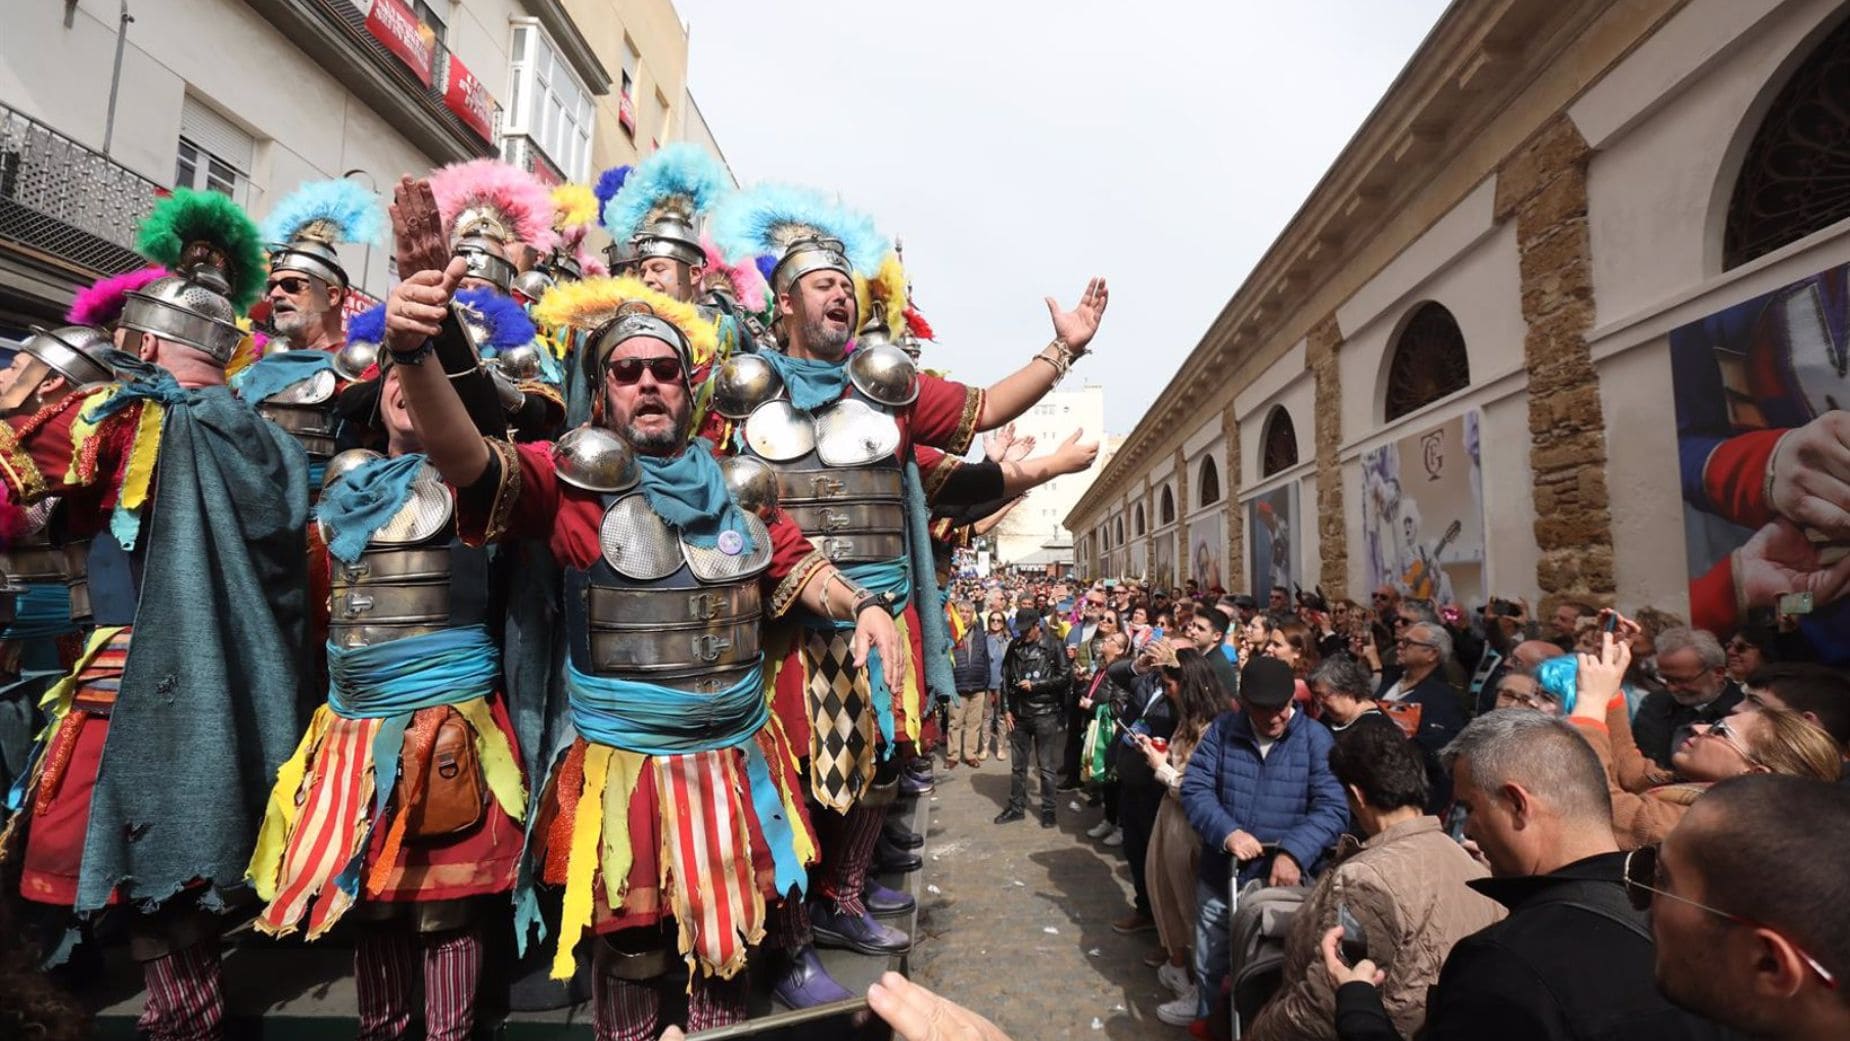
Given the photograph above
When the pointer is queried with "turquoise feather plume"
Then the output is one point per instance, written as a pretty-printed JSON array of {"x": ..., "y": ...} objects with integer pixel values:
[
  {"x": 768, "y": 217},
  {"x": 679, "y": 171},
  {"x": 354, "y": 212}
]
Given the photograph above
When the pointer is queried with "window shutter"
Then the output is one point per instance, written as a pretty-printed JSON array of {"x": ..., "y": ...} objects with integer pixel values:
[{"x": 216, "y": 134}]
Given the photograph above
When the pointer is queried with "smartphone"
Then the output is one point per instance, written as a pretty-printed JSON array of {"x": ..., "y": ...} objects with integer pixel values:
[
  {"x": 1354, "y": 942},
  {"x": 1795, "y": 603},
  {"x": 841, "y": 1019},
  {"x": 1611, "y": 623}
]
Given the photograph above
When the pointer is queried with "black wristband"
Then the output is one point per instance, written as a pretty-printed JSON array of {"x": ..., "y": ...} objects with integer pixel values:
[
  {"x": 413, "y": 357},
  {"x": 867, "y": 600}
]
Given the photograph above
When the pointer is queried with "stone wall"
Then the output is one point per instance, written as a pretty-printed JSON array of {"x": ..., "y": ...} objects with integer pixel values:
[
  {"x": 1543, "y": 186},
  {"x": 1326, "y": 338},
  {"x": 1233, "y": 513}
]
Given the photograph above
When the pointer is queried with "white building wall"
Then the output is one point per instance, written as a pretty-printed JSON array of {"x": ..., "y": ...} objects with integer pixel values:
[{"x": 1039, "y": 519}]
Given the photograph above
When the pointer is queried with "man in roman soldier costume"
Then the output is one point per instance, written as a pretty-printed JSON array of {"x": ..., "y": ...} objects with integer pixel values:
[
  {"x": 305, "y": 366},
  {"x": 45, "y": 600},
  {"x": 403, "y": 801},
  {"x": 495, "y": 215},
  {"x": 839, "y": 429},
  {"x": 149, "y": 788},
  {"x": 669, "y": 812}
]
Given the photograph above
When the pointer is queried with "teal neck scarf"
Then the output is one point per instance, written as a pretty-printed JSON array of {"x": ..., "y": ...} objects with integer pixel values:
[
  {"x": 812, "y": 383},
  {"x": 279, "y": 371},
  {"x": 689, "y": 492},
  {"x": 363, "y": 500}
]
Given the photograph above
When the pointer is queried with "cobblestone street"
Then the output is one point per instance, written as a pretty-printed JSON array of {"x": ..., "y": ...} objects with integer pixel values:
[{"x": 1016, "y": 919}]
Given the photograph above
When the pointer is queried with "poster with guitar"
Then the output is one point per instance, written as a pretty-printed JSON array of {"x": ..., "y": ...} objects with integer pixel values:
[{"x": 1423, "y": 514}]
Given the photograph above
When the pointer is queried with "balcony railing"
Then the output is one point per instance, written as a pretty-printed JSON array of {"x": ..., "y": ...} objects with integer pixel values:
[{"x": 66, "y": 202}]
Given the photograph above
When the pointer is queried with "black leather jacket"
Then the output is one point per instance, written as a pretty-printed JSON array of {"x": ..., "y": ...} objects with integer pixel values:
[{"x": 1044, "y": 667}]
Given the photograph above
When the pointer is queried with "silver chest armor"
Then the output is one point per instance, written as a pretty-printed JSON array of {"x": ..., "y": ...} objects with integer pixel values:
[
  {"x": 414, "y": 577},
  {"x": 837, "y": 476},
  {"x": 660, "y": 610},
  {"x": 306, "y": 410}
]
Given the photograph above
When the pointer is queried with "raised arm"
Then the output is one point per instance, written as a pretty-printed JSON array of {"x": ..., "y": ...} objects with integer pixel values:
[{"x": 1073, "y": 330}]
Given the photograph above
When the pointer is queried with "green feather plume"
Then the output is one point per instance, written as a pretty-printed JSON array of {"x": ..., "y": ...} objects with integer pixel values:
[{"x": 189, "y": 216}]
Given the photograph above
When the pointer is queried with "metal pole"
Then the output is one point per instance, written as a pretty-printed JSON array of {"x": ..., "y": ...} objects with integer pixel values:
[
  {"x": 115, "y": 76},
  {"x": 366, "y": 265}
]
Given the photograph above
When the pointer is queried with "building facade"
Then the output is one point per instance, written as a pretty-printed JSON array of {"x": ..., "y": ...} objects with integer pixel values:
[
  {"x": 253, "y": 97},
  {"x": 1537, "y": 332},
  {"x": 1039, "y": 521}
]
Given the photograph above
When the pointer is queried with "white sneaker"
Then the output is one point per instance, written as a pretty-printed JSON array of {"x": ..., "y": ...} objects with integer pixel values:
[
  {"x": 1099, "y": 830},
  {"x": 1176, "y": 978},
  {"x": 1116, "y": 838},
  {"x": 1181, "y": 1011}
]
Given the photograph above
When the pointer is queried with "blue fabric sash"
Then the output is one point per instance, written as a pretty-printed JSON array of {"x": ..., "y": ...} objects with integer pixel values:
[
  {"x": 689, "y": 492},
  {"x": 42, "y": 612},
  {"x": 655, "y": 720},
  {"x": 276, "y": 372},
  {"x": 934, "y": 631},
  {"x": 364, "y": 500},
  {"x": 812, "y": 383}
]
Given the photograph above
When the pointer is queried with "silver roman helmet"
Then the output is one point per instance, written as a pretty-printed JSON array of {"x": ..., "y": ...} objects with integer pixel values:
[
  {"x": 634, "y": 319},
  {"x": 189, "y": 308},
  {"x": 659, "y": 209},
  {"x": 79, "y": 353},
  {"x": 670, "y": 234},
  {"x": 533, "y": 283},
  {"x": 491, "y": 210},
  {"x": 307, "y": 226},
  {"x": 215, "y": 253},
  {"x": 487, "y": 258},
  {"x": 806, "y": 255}
]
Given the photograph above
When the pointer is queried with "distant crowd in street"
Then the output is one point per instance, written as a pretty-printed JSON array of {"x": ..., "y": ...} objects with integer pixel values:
[{"x": 1408, "y": 818}]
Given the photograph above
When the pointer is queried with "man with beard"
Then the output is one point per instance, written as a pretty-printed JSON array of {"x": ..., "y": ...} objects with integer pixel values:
[
  {"x": 840, "y": 432},
  {"x": 177, "y": 732},
  {"x": 305, "y": 368},
  {"x": 672, "y": 814},
  {"x": 1692, "y": 665}
]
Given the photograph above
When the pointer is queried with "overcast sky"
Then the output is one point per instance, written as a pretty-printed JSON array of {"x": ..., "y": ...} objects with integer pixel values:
[{"x": 1018, "y": 147}]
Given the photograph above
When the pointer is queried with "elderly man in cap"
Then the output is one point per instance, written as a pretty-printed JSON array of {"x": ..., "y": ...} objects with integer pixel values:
[
  {"x": 1035, "y": 683},
  {"x": 1260, "y": 793}
]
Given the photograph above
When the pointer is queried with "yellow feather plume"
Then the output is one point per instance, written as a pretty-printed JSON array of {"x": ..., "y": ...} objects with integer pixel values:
[
  {"x": 573, "y": 205},
  {"x": 888, "y": 288},
  {"x": 591, "y": 302}
]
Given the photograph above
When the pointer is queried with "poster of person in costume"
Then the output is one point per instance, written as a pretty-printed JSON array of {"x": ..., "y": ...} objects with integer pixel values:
[
  {"x": 1763, "y": 456},
  {"x": 1423, "y": 514},
  {"x": 1272, "y": 523}
]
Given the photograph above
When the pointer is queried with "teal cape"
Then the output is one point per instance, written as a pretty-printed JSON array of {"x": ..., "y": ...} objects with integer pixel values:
[{"x": 216, "y": 686}]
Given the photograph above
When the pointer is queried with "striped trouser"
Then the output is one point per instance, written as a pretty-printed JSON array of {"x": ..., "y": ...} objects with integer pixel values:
[
  {"x": 848, "y": 841},
  {"x": 628, "y": 1010},
  {"x": 185, "y": 1001},
  {"x": 387, "y": 971}
]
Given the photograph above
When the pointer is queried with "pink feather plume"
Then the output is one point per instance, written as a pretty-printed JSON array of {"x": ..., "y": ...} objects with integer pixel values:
[
  {"x": 590, "y": 263},
  {"x": 748, "y": 286},
  {"x": 100, "y": 303},
  {"x": 513, "y": 191}
]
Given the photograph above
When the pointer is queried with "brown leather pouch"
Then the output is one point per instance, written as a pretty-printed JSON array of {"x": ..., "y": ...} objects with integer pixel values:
[{"x": 441, "y": 790}]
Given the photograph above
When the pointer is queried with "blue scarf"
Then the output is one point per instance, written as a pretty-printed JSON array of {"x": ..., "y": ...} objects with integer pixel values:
[
  {"x": 280, "y": 371},
  {"x": 812, "y": 383},
  {"x": 364, "y": 500},
  {"x": 42, "y": 612},
  {"x": 689, "y": 492}
]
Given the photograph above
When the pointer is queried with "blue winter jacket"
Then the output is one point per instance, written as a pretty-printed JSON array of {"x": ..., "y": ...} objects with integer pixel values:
[{"x": 1290, "y": 797}]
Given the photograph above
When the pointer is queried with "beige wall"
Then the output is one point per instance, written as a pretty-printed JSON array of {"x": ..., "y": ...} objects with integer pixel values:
[{"x": 655, "y": 29}]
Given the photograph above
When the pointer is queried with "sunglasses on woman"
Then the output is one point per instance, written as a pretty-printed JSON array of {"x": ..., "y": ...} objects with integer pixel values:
[
  {"x": 1732, "y": 738},
  {"x": 629, "y": 370},
  {"x": 1643, "y": 878}
]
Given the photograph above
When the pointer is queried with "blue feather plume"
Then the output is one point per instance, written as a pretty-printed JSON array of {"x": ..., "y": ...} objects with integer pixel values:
[
  {"x": 506, "y": 321},
  {"x": 352, "y": 209},
  {"x": 368, "y": 326},
  {"x": 679, "y": 169},
  {"x": 769, "y": 217},
  {"x": 766, "y": 264},
  {"x": 609, "y": 183}
]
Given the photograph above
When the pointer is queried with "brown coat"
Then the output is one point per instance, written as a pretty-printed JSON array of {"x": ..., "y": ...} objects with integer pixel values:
[
  {"x": 1406, "y": 887},
  {"x": 1637, "y": 820}
]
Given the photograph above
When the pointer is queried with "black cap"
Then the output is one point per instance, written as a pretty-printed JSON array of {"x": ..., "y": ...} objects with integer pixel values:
[
  {"x": 1267, "y": 683},
  {"x": 1245, "y": 601},
  {"x": 1026, "y": 619}
]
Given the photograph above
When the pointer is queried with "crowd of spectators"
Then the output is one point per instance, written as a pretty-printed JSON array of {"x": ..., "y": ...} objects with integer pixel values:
[{"x": 1405, "y": 819}]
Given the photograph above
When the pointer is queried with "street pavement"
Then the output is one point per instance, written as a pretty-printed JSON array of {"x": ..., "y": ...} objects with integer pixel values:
[{"x": 1016, "y": 919}]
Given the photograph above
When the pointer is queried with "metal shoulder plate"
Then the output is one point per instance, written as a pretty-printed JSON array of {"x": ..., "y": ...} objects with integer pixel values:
[
  {"x": 315, "y": 390},
  {"x": 346, "y": 462},
  {"x": 742, "y": 383},
  {"x": 853, "y": 433},
  {"x": 594, "y": 459},
  {"x": 780, "y": 432},
  {"x": 426, "y": 511},
  {"x": 884, "y": 374},
  {"x": 752, "y": 484},
  {"x": 353, "y": 359}
]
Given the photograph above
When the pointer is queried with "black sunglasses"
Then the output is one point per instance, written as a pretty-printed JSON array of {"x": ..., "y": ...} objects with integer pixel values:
[
  {"x": 629, "y": 370},
  {"x": 1642, "y": 877},
  {"x": 290, "y": 284}
]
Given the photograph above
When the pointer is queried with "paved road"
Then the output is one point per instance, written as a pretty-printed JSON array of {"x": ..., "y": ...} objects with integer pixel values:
[{"x": 1000, "y": 889}]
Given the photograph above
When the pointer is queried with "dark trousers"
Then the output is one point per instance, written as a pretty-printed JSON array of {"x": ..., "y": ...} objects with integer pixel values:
[
  {"x": 1044, "y": 733},
  {"x": 1076, "y": 720},
  {"x": 1137, "y": 806}
]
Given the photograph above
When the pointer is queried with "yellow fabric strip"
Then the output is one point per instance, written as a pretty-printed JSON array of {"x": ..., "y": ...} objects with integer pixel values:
[
  {"x": 499, "y": 767},
  {"x": 141, "y": 461},
  {"x": 581, "y": 867},
  {"x": 82, "y": 430},
  {"x": 279, "y": 819},
  {"x": 617, "y": 853},
  {"x": 56, "y": 701},
  {"x": 914, "y": 700}
]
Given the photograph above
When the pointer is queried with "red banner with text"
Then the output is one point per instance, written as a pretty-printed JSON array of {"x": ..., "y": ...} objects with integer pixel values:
[
  {"x": 465, "y": 95},
  {"x": 394, "y": 24}
]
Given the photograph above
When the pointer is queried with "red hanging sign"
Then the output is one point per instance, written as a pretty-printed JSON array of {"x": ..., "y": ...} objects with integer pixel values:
[
  {"x": 393, "y": 24},
  {"x": 465, "y": 95}
]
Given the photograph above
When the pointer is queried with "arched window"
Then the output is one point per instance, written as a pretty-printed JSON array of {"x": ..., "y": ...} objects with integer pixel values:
[
  {"x": 1796, "y": 177},
  {"x": 1117, "y": 537},
  {"x": 1166, "y": 507},
  {"x": 1137, "y": 520},
  {"x": 1429, "y": 361},
  {"x": 1207, "y": 483},
  {"x": 1278, "y": 444}
]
